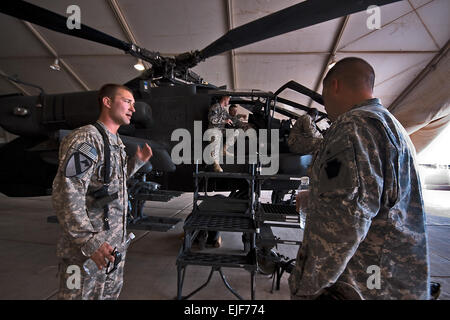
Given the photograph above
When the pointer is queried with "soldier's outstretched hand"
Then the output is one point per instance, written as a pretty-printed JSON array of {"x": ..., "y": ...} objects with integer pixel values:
[{"x": 145, "y": 153}]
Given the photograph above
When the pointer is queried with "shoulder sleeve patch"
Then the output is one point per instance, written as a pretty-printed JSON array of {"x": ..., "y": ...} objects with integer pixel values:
[
  {"x": 338, "y": 169},
  {"x": 88, "y": 151},
  {"x": 77, "y": 165}
]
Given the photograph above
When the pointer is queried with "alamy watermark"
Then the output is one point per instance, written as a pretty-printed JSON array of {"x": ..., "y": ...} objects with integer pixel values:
[
  {"x": 74, "y": 20},
  {"x": 374, "y": 20},
  {"x": 374, "y": 280},
  {"x": 73, "y": 282},
  {"x": 258, "y": 147}
]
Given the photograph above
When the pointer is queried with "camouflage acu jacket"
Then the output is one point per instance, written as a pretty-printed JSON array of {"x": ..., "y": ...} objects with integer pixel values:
[
  {"x": 365, "y": 226},
  {"x": 217, "y": 116},
  {"x": 304, "y": 137},
  {"x": 80, "y": 172}
]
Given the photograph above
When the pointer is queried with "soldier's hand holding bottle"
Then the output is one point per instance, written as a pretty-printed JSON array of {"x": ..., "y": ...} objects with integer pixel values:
[{"x": 103, "y": 254}]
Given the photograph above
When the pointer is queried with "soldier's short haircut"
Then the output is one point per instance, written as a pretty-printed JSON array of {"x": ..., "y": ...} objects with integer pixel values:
[
  {"x": 109, "y": 90},
  {"x": 223, "y": 97},
  {"x": 355, "y": 72},
  {"x": 233, "y": 106}
]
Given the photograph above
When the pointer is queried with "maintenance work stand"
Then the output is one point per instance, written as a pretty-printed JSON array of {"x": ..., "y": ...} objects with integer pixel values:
[{"x": 246, "y": 216}]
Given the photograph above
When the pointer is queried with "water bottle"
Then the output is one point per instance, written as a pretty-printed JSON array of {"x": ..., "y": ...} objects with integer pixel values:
[
  {"x": 91, "y": 268},
  {"x": 131, "y": 236},
  {"x": 303, "y": 188}
]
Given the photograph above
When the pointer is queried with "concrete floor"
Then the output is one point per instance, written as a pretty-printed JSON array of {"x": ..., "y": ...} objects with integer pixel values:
[{"x": 28, "y": 264}]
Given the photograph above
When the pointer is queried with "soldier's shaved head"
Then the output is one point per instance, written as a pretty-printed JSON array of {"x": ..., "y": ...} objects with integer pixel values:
[
  {"x": 354, "y": 72},
  {"x": 347, "y": 84}
]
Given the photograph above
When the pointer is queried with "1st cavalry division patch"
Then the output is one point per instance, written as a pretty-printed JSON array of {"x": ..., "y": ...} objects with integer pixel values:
[{"x": 80, "y": 161}]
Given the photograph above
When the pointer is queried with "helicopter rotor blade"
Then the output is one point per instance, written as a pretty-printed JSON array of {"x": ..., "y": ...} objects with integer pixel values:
[
  {"x": 56, "y": 22},
  {"x": 298, "y": 16}
]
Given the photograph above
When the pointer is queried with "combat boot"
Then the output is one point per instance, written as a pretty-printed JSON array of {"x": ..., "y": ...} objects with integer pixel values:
[
  {"x": 226, "y": 152},
  {"x": 218, "y": 242},
  {"x": 216, "y": 167}
]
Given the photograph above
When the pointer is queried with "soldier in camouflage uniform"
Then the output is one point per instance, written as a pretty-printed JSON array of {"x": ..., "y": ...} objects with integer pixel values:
[
  {"x": 236, "y": 118},
  {"x": 85, "y": 231},
  {"x": 365, "y": 235},
  {"x": 304, "y": 137},
  {"x": 218, "y": 117}
]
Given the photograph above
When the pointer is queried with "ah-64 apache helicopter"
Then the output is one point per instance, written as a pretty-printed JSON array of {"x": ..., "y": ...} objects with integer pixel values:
[{"x": 168, "y": 96}]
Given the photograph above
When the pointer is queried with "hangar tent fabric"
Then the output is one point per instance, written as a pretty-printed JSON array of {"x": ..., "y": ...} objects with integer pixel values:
[{"x": 425, "y": 110}]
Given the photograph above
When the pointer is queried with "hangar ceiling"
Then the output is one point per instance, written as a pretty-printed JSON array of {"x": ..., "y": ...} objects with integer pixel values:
[{"x": 412, "y": 33}]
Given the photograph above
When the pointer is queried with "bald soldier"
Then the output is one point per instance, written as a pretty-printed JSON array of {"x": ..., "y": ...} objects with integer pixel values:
[
  {"x": 365, "y": 235},
  {"x": 92, "y": 212}
]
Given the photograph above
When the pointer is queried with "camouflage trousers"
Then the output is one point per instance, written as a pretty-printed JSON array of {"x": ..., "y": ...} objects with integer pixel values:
[
  {"x": 98, "y": 286},
  {"x": 216, "y": 143}
]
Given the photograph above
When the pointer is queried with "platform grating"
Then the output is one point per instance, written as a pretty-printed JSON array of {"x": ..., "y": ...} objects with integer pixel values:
[
  {"x": 278, "y": 209},
  {"x": 220, "y": 223},
  {"x": 220, "y": 260}
]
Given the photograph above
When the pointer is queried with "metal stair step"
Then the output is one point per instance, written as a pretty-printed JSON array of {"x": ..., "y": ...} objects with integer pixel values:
[
  {"x": 280, "y": 209},
  {"x": 216, "y": 222},
  {"x": 223, "y": 204},
  {"x": 218, "y": 260}
]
